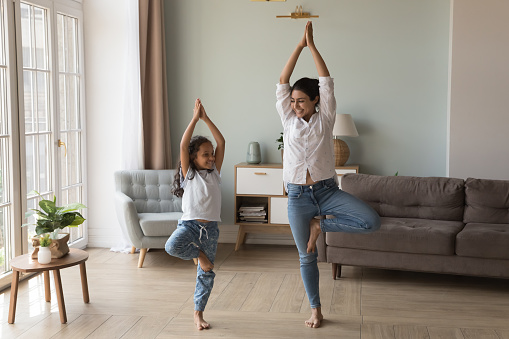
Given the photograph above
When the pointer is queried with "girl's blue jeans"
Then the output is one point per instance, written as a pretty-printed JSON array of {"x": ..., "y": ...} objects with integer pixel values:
[
  {"x": 186, "y": 242},
  {"x": 324, "y": 198}
]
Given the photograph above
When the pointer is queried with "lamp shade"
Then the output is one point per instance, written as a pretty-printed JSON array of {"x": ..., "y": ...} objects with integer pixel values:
[{"x": 344, "y": 126}]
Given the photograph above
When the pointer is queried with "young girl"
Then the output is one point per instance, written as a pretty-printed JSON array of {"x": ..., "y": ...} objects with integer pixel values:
[
  {"x": 198, "y": 183},
  {"x": 308, "y": 113}
]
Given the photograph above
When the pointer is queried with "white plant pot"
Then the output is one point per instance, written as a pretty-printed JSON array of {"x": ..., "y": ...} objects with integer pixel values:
[{"x": 44, "y": 255}]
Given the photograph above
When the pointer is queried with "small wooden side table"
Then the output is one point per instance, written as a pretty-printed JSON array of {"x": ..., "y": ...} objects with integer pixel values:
[{"x": 25, "y": 263}]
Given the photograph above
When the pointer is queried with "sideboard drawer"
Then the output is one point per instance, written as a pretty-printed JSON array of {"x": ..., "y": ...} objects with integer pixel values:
[
  {"x": 262, "y": 181},
  {"x": 279, "y": 211}
]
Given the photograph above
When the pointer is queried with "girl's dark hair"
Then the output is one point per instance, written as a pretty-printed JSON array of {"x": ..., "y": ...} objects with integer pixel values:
[
  {"x": 309, "y": 87},
  {"x": 194, "y": 146}
]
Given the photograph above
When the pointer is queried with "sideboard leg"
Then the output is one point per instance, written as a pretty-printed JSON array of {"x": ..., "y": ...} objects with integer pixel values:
[{"x": 241, "y": 237}]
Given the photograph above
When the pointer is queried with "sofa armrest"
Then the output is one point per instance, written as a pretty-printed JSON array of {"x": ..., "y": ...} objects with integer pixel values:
[{"x": 128, "y": 218}]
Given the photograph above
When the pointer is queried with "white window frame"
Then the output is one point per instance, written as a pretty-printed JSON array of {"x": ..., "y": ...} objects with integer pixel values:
[
  {"x": 17, "y": 163},
  {"x": 72, "y": 8}
]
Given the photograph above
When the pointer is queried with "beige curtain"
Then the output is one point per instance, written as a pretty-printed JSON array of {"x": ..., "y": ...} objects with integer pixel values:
[{"x": 156, "y": 122}]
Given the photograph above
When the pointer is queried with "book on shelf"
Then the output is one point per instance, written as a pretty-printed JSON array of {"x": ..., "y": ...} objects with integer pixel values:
[{"x": 253, "y": 213}]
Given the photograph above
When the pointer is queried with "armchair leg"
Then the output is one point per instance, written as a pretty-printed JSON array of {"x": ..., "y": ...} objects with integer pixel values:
[
  {"x": 143, "y": 251},
  {"x": 133, "y": 249},
  {"x": 195, "y": 261}
]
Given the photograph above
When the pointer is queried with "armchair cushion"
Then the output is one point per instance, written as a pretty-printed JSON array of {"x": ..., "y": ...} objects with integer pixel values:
[{"x": 159, "y": 224}]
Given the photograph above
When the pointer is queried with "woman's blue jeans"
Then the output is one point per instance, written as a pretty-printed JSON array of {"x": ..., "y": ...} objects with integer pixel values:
[
  {"x": 186, "y": 242},
  {"x": 324, "y": 198}
]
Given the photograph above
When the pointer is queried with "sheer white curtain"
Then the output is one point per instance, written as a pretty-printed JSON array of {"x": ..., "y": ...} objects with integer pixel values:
[{"x": 132, "y": 125}]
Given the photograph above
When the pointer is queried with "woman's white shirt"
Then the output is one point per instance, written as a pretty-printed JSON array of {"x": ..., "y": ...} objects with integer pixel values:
[{"x": 308, "y": 146}]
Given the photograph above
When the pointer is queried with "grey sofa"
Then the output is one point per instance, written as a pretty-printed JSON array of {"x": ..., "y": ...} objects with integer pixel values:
[
  {"x": 146, "y": 208},
  {"x": 441, "y": 225}
]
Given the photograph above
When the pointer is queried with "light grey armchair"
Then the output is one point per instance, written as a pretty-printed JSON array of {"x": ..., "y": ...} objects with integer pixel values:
[{"x": 146, "y": 208}]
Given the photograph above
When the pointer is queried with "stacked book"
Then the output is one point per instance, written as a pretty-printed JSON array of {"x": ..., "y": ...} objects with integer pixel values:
[{"x": 253, "y": 213}]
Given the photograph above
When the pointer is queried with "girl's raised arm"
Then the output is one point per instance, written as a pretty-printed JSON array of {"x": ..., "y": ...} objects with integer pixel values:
[
  {"x": 186, "y": 138},
  {"x": 220, "y": 142},
  {"x": 319, "y": 62},
  {"x": 284, "y": 78}
]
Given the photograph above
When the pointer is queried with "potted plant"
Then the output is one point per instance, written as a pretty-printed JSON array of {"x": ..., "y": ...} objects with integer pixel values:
[
  {"x": 280, "y": 145},
  {"x": 44, "y": 256},
  {"x": 50, "y": 219}
]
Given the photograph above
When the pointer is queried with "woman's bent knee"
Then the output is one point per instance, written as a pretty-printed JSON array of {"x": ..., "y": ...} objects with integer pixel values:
[{"x": 374, "y": 223}]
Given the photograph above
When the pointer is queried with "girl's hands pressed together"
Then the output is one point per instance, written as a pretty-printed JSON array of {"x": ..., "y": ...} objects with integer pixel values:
[
  {"x": 197, "y": 110},
  {"x": 203, "y": 114}
]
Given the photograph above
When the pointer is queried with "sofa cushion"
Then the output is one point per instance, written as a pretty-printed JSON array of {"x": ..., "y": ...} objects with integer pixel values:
[
  {"x": 487, "y": 201},
  {"x": 159, "y": 224},
  {"x": 403, "y": 235},
  {"x": 483, "y": 241},
  {"x": 409, "y": 197}
]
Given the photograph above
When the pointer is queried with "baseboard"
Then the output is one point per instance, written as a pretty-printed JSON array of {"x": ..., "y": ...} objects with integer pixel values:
[{"x": 227, "y": 235}]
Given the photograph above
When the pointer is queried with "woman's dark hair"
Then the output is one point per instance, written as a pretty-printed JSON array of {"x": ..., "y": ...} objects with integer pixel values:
[
  {"x": 309, "y": 87},
  {"x": 194, "y": 146}
]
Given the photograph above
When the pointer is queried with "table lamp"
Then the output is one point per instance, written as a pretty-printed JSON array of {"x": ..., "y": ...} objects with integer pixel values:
[{"x": 344, "y": 127}]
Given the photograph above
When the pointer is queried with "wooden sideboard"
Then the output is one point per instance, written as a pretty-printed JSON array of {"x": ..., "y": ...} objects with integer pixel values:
[{"x": 262, "y": 185}]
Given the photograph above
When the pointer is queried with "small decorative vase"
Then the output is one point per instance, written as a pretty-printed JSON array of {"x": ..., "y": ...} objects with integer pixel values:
[
  {"x": 44, "y": 255},
  {"x": 254, "y": 155},
  {"x": 58, "y": 247}
]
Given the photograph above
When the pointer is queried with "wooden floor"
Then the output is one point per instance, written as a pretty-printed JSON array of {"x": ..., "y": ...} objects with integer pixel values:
[{"x": 258, "y": 293}]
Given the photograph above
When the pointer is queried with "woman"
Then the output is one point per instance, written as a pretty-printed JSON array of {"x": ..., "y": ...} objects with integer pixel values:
[{"x": 308, "y": 113}]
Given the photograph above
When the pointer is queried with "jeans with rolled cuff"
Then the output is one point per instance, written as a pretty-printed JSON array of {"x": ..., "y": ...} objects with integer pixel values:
[{"x": 186, "y": 242}]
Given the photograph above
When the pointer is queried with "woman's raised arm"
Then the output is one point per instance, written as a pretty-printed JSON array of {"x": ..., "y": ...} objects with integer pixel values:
[{"x": 319, "y": 62}]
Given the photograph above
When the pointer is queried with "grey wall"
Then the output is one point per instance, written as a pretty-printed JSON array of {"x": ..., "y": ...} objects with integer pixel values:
[
  {"x": 479, "y": 112},
  {"x": 389, "y": 59}
]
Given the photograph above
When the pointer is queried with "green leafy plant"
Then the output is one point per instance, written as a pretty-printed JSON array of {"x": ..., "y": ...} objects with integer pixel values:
[
  {"x": 279, "y": 140},
  {"x": 396, "y": 174},
  {"x": 52, "y": 217},
  {"x": 45, "y": 241}
]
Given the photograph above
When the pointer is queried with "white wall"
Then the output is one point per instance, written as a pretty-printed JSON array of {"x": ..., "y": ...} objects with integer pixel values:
[
  {"x": 479, "y": 108},
  {"x": 105, "y": 46}
]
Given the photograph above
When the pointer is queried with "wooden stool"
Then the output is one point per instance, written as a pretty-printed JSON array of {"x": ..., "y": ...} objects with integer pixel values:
[{"x": 25, "y": 264}]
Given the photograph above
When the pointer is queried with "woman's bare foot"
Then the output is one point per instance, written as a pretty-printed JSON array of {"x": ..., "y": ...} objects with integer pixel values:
[
  {"x": 314, "y": 232},
  {"x": 205, "y": 263},
  {"x": 316, "y": 318},
  {"x": 200, "y": 323}
]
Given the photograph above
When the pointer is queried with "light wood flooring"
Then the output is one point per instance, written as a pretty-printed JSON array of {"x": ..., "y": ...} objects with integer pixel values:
[{"x": 258, "y": 293}]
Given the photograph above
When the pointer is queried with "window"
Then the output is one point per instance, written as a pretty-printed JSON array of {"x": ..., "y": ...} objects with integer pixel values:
[{"x": 42, "y": 139}]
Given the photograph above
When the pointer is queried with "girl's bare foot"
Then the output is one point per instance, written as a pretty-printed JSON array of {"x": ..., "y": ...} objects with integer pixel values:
[
  {"x": 205, "y": 263},
  {"x": 314, "y": 232},
  {"x": 316, "y": 318},
  {"x": 200, "y": 323}
]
